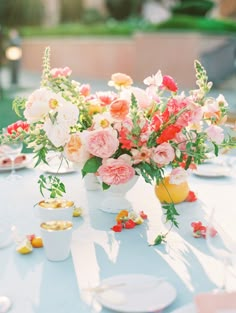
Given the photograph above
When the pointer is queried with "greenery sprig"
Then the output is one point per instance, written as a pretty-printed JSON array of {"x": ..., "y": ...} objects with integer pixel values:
[{"x": 52, "y": 184}]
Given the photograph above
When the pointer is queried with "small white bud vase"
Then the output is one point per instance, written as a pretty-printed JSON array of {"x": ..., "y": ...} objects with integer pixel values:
[
  {"x": 115, "y": 197},
  {"x": 91, "y": 182}
]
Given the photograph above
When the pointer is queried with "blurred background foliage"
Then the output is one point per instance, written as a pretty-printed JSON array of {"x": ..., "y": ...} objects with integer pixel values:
[{"x": 121, "y": 17}]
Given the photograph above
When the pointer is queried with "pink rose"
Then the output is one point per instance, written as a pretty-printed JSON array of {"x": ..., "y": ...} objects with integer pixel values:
[
  {"x": 163, "y": 154},
  {"x": 178, "y": 176},
  {"x": 115, "y": 171},
  {"x": 102, "y": 143},
  {"x": 215, "y": 133}
]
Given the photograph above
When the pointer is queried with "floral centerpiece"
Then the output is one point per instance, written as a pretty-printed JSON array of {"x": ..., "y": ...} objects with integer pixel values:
[{"x": 124, "y": 132}]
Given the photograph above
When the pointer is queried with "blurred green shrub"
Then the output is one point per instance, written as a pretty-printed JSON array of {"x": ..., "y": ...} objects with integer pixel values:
[
  {"x": 122, "y": 9},
  {"x": 92, "y": 16},
  {"x": 15, "y": 13},
  {"x": 193, "y": 7}
]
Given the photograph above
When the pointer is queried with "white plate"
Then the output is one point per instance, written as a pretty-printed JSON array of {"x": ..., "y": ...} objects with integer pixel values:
[
  {"x": 188, "y": 308},
  {"x": 55, "y": 166},
  {"x": 135, "y": 293},
  {"x": 212, "y": 170},
  {"x": 17, "y": 166},
  {"x": 54, "y": 169}
]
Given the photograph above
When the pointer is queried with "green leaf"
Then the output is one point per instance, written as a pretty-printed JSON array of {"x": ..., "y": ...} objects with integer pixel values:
[
  {"x": 216, "y": 149},
  {"x": 105, "y": 186},
  {"x": 52, "y": 184},
  {"x": 92, "y": 165},
  {"x": 18, "y": 105},
  {"x": 159, "y": 240},
  {"x": 171, "y": 213}
]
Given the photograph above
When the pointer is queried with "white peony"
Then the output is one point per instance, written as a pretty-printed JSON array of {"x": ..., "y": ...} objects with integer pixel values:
[
  {"x": 37, "y": 106},
  {"x": 57, "y": 133}
]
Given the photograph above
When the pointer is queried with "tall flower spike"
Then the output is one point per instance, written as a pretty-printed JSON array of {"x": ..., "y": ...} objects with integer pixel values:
[
  {"x": 202, "y": 78},
  {"x": 46, "y": 67}
]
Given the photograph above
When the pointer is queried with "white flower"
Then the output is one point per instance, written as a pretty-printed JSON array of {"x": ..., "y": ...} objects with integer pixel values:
[
  {"x": 211, "y": 105},
  {"x": 38, "y": 105},
  {"x": 57, "y": 133},
  {"x": 103, "y": 120},
  {"x": 68, "y": 113},
  {"x": 221, "y": 100},
  {"x": 155, "y": 80}
]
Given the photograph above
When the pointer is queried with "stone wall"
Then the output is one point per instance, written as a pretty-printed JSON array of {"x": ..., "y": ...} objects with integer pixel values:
[{"x": 138, "y": 56}]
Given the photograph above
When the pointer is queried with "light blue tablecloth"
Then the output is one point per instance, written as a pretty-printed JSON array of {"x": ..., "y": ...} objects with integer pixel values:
[{"x": 37, "y": 285}]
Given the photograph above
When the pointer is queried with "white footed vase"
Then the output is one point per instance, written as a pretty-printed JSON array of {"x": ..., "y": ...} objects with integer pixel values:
[
  {"x": 91, "y": 182},
  {"x": 115, "y": 197}
]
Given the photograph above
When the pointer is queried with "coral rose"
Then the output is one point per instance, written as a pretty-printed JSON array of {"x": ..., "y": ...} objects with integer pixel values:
[
  {"x": 115, "y": 172},
  {"x": 119, "y": 109},
  {"x": 102, "y": 143}
]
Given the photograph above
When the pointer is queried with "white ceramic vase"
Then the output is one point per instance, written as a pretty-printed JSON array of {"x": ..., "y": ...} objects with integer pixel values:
[
  {"x": 91, "y": 182},
  {"x": 115, "y": 197}
]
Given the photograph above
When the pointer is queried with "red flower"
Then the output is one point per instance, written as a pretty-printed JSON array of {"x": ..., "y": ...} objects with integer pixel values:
[
  {"x": 169, "y": 83},
  {"x": 129, "y": 224},
  {"x": 117, "y": 228},
  {"x": 168, "y": 133},
  {"x": 191, "y": 197},
  {"x": 199, "y": 230},
  {"x": 123, "y": 139},
  {"x": 156, "y": 122},
  {"x": 17, "y": 127},
  {"x": 143, "y": 215}
]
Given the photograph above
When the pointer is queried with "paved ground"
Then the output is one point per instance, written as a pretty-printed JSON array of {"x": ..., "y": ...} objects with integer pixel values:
[{"x": 29, "y": 81}]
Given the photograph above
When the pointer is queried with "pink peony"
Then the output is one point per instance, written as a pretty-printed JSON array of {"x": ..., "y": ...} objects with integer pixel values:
[
  {"x": 163, "y": 154},
  {"x": 102, "y": 143},
  {"x": 115, "y": 172}
]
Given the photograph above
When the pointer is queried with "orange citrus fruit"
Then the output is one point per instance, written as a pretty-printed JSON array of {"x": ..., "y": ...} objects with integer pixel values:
[
  {"x": 167, "y": 192},
  {"x": 37, "y": 242}
]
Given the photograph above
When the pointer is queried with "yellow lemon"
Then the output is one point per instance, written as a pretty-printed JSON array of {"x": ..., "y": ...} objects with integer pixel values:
[
  {"x": 24, "y": 247},
  {"x": 77, "y": 212},
  {"x": 168, "y": 193}
]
